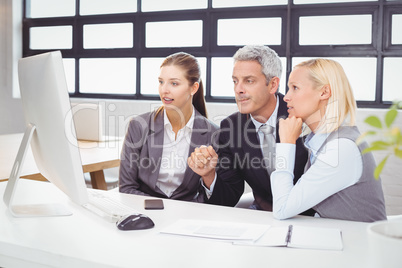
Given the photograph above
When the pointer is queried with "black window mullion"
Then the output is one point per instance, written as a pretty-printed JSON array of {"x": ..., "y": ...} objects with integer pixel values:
[
  {"x": 77, "y": 44},
  {"x": 378, "y": 25},
  {"x": 209, "y": 38}
]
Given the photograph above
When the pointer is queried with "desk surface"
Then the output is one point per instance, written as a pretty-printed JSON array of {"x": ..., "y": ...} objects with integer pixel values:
[
  {"x": 95, "y": 156},
  {"x": 86, "y": 240}
]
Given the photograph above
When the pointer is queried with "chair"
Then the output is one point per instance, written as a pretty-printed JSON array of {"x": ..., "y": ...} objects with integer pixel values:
[{"x": 111, "y": 178}]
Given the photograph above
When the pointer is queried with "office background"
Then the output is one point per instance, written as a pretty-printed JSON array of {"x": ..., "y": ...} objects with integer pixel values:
[{"x": 364, "y": 36}]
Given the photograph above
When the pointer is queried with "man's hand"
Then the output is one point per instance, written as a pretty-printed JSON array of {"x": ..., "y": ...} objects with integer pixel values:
[
  {"x": 203, "y": 162},
  {"x": 290, "y": 129}
]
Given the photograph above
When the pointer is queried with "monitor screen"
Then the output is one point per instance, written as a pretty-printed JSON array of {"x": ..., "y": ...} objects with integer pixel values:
[{"x": 47, "y": 107}]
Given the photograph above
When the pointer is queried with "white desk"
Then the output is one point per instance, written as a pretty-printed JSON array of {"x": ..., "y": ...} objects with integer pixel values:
[{"x": 86, "y": 240}]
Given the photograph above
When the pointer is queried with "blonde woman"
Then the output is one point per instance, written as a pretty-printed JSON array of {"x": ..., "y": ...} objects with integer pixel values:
[{"x": 338, "y": 181}]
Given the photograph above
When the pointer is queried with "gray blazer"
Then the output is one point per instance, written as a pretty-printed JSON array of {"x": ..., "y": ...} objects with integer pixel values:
[{"x": 142, "y": 153}]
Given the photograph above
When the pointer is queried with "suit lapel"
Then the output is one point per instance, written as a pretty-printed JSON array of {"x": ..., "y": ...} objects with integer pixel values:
[
  {"x": 253, "y": 147},
  {"x": 282, "y": 113},
  {"x": 252, "y": 143},
  {"x": 155, "y": 147}
]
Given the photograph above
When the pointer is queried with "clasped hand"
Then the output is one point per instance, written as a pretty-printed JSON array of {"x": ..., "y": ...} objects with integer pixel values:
[{"x": 203, "y": 162}]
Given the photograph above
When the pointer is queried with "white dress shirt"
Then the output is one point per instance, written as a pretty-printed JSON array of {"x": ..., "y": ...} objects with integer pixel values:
[
  {"x": 174, "y": 155},
  {"x": 338, "y": 166},
  {"x": 271, "y": 121}
]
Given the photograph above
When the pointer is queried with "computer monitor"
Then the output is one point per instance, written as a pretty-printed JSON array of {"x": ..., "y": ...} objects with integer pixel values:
[{"x": 50, "y": 131}]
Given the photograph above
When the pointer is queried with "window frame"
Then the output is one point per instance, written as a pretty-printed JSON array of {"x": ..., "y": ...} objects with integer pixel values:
[{"x": 380, "y": 47}]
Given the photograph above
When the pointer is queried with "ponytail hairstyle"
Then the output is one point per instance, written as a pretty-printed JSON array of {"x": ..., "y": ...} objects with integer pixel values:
[{"x": 189, "y": 64}]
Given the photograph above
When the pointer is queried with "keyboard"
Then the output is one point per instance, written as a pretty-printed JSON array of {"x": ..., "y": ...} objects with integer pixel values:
[{"x": 106, "y": 206}]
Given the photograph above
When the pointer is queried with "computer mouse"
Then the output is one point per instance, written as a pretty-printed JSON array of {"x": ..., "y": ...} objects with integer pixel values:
[{"x": 134, "y": 222}]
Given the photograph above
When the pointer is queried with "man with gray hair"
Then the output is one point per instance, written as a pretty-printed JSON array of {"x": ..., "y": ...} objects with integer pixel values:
[{"x": 247, "y": 139}]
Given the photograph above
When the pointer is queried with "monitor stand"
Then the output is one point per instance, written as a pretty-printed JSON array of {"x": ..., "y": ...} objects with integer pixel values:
[{"x": 28, "y": 210}]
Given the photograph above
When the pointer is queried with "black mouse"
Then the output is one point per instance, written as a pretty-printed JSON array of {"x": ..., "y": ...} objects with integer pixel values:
[{"x": 134, "y": 222}]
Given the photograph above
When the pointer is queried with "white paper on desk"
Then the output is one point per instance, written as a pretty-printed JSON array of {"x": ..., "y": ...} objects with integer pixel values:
[
  {"x": 316, "y": 238},
  {"x": 217, "y": 230},
  {"x": 274, "y": 237},
  {"x": 307, "y": 237}
]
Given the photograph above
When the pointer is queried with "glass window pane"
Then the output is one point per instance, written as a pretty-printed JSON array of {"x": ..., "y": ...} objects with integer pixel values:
[
  {"x": 92, "y": 7},
  {"x": 396, "y": 29},
  {"x": 113, "y": 35},
  {"x": 50, "y": 8},
  {"x": 392, "y": 79},
  {"x": 69, "y": 69},
  {"x": 221, "y": 77},
  {"x": 328, "y": 1},
  {"x": 112, "y": 76},
  {"x": 150, "y": 70},
  {"x": 330, "y": 30},
  {"x": 174, "y": 34},
  {"x": 149, "y": 75},
  {"x": 53, "y": 37},
  {"x": 249, "y": 31},
  {"x": 160, "y": 5},
  {"x": 283, "y": 82},
  {"x": 248, "y": 3},
  {"x": 361, "y": 73}
]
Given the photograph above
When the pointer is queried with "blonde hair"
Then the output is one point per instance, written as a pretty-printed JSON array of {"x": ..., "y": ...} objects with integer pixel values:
[{"x": 341, "y": 106}]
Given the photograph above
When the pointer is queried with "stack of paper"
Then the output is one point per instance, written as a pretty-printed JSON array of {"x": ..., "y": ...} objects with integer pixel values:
[
  {"x": 300, "y": 237},
  {"x": 217, "y": 230},
  {"x": 260, "y": 235}
]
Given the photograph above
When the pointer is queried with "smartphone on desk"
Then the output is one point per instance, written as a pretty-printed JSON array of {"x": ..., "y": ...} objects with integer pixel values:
[{"x": 153, "y": 204}]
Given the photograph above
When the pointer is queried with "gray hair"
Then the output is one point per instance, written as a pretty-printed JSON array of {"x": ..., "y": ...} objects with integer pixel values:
[{"x": 266, "y": 57}]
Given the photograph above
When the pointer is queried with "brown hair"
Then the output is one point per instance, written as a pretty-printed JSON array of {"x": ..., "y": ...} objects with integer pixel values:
[{"x": 192, "y": 73}]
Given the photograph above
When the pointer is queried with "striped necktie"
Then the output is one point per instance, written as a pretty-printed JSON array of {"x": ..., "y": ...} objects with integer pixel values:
[{"x": 268, "y": 147}]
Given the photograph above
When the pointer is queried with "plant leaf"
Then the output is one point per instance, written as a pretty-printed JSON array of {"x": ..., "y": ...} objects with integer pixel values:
[
  {"x": 380, "y": 144},
  {"x": 363, "y": 136},
  {"x": 390, "y": 117},
  {"x": 398, "y": 152},
  {"x": 373, "y": 121},
  {"x": 378, "y": 169},
  {"x": 373, "y": 148}
]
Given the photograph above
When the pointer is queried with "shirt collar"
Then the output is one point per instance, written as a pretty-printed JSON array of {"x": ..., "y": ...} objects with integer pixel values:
[
  {"x": 314, "y": 142},
  {"x": 271, "y": 120}
]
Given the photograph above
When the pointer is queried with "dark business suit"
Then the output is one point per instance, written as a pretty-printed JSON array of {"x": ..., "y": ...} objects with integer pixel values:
[
  {"x": 240, "y": 160},
  {"x": 141, "y": 157}
]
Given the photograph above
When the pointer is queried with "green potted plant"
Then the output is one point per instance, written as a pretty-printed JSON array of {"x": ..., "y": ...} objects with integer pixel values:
[
  {"x": 385, "y": 237},
  {"x": 388, "y": 136}
]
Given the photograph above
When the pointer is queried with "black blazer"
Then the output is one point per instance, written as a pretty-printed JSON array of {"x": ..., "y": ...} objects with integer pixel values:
[{"x": 240, "y": 160}]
